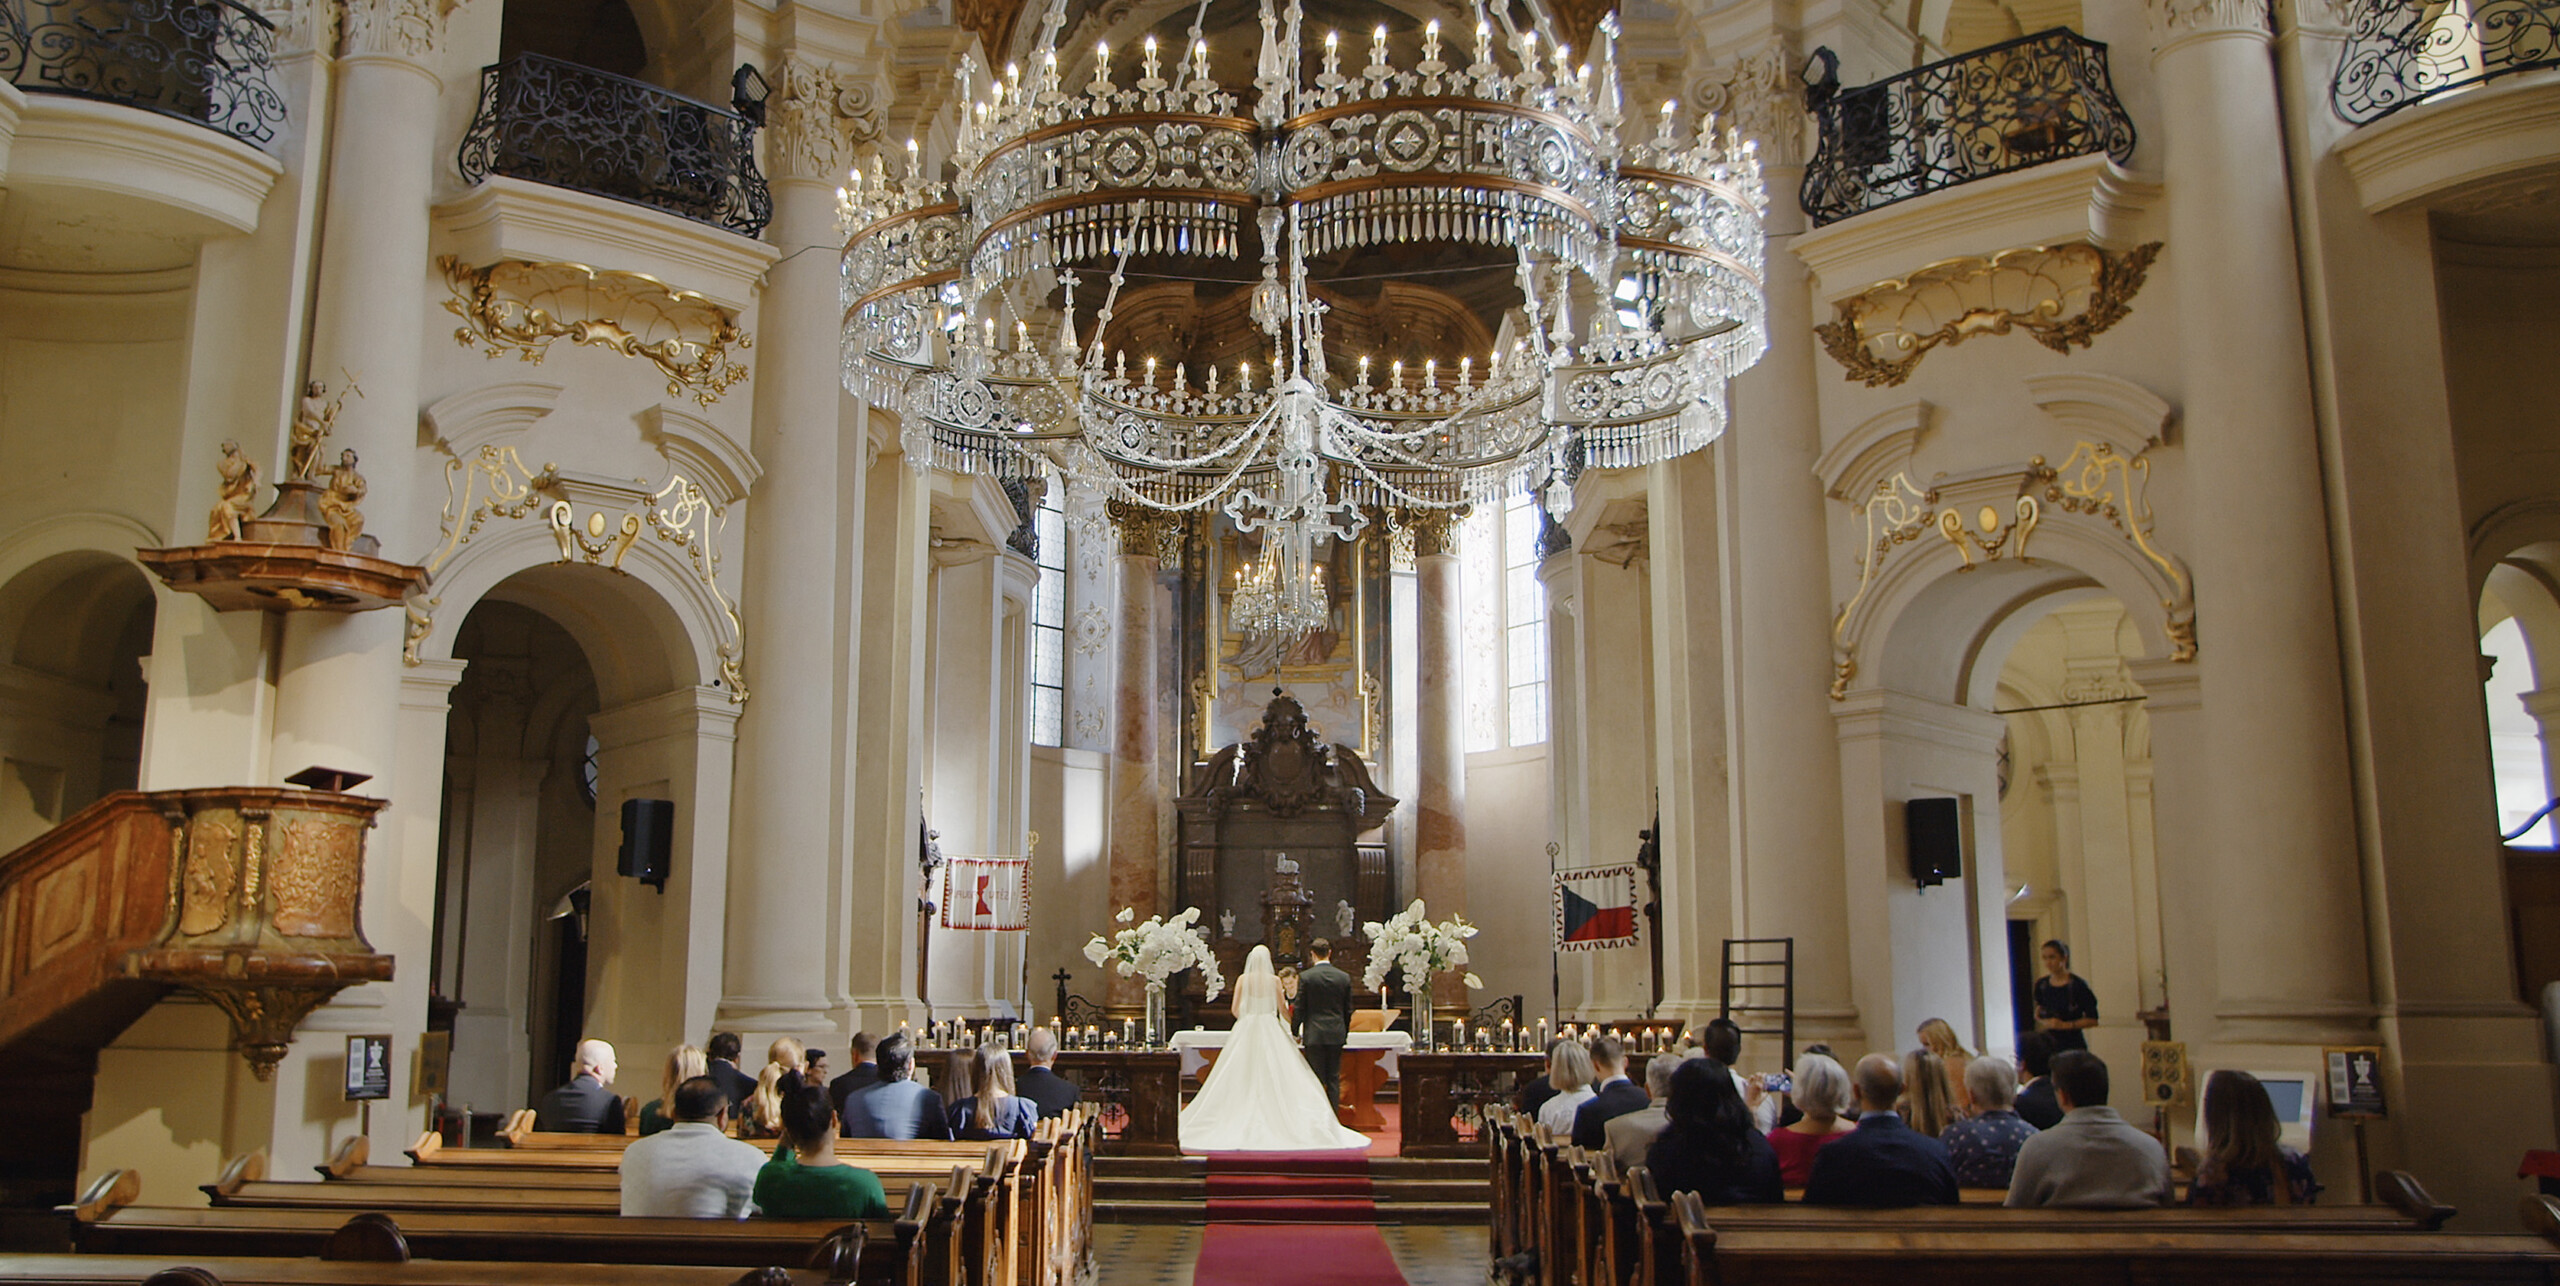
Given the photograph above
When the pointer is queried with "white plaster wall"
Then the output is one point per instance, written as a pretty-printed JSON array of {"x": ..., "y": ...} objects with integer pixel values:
[{"x": 1070, "y": 886}]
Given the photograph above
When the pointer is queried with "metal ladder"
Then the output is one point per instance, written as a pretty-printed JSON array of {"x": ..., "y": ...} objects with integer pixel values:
[{"x": 1748, "y": 986}]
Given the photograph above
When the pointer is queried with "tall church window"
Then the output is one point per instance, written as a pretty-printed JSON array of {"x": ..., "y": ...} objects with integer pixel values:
[
  {"x": 1506, "y": 636},
  {"x": 1049, "y": 623},
  {"x": 2515, "y": 736}
]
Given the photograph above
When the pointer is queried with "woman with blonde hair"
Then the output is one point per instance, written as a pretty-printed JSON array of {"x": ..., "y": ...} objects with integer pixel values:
[
  {"x": 993, "y": 1110},
  {"x": 790, "y": 1056},
  {"x": 1939, "y": 1037},
  {"x": 1569, "y": 1069},
  {"x": 684, "y": 1062},
  {"x": 762, "y": 1117},
  {"x": 1928, "y": 1104}
]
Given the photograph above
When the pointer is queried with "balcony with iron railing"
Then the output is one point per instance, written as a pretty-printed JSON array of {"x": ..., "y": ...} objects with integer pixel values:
[
  {"x": 556, "y": 123},
  {"x": 2008, "y": 107},
  {"x": 207, "y": 62},
  {"x": 2403, "y": 52}
]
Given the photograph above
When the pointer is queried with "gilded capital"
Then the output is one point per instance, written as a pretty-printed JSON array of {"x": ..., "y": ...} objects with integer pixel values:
[
  {"x": 2177, "y": 19},
  {"x": 1435, "y": 531},
  {"x": 1144, "y": 531},
  {"x": 412, "y": 29},
  {"x": 816, "y": 119},
  {"x": 1761, "y": 96}
]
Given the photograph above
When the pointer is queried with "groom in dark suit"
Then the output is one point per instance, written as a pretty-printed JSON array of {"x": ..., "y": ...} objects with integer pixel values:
[{"x": 1323, "y": 1014}]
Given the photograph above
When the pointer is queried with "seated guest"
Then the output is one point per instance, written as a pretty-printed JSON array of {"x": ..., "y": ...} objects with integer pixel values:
[
  {"x": 1711, "y": 1147},
  {"x": 1822, "y": 1092},
  {"x": 2093, "y": 1160},
  {"x": 1632, "y": 1135},
  {"x": 1569, "y": 1070},
  {"x": 897, "y": 1107},
  {"x": 1928, "y": 1104},
  {"x": 584, "y": 1105},
  {"x": 2242, "y": 1156},
  {"x": 2035, "y": 1097},
  {"x": 806, "y": 1179},
  {"x": 1789, "y": 1113},
  {"x": 788, "y": 1058},
  {"x": 1722, "y": 1039},
  {"x": 1040, "y": 1082},
  {"x": 1938, "y": 1036},
  {"x": 692, "y": 1169},
  {"x": 1534, "y": 1091},
  {"x": 992, "y": 1110},
  {"x": 723, "y": 1050},
  {"x": 863, "y": 1072},
  {"x": 762, "y": 1118},
  {"x": 1883, "y": 1162},
  {"x": 1984, "y": 1146},
  {"x": 813, "y": 1067},
  {"x": 684, "y": 1063},
  {"x": 1612, "y": 1094}
]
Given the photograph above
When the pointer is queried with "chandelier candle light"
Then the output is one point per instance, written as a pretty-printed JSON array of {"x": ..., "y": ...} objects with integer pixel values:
[
  {"x": 1157, "y": 950},
  {"x": 962, "y": 279},
  {"x": 1410, "y": 941}
]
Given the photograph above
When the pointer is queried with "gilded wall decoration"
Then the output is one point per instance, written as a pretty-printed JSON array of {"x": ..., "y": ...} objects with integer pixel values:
[
  {"x": 207, "y": 885},
  {"x": 524, "y": 306},
  {"x": 495, "y": 484},
  {"x": 317, "y": 862},
  {"x": 2062, "y": 295},
  {"x": 2095, "y": 479}
]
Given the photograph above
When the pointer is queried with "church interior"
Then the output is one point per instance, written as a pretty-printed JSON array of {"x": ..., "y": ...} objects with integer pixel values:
[{"x": 534, "y": 522}]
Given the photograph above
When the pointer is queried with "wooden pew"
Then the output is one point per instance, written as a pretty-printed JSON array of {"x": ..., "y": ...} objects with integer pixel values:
[
  {"x": 211, "y": 1270},
  {"x": 1712, "y": 1255},
  {"x": 917, "y": 1248},
  {"x": 1588, "y": 1225}
]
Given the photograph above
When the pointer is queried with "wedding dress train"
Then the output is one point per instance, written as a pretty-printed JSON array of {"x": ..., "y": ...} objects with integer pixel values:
[{"x": 1261, "y": 1096}]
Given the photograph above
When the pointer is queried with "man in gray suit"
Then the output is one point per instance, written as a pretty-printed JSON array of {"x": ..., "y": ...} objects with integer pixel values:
[{"x": 1324, "y": 1017}]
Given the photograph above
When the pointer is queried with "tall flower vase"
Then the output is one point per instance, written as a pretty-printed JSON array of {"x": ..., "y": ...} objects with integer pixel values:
[
  {"x": 1155, "y": 1033},
  {"x": 1422, "y": 1016}
]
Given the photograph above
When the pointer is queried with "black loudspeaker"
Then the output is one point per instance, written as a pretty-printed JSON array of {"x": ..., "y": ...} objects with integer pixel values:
[
  {"x": 648, "y": 836},
  {"x": 1935, "y": 832}
]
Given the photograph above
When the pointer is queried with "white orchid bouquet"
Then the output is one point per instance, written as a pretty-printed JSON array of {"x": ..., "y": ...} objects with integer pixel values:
[
  {"x": 1424, "y": 950},
  {"x": 1158, "y": 949}
]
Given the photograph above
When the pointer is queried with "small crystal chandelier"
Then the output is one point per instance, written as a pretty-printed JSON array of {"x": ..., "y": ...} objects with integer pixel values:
[{"x": 962, "y": 295}]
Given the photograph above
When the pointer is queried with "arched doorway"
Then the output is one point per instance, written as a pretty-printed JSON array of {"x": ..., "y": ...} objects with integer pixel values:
[
  {"x": 577, "y": 692},
  {"x": 75, "y": 628}
]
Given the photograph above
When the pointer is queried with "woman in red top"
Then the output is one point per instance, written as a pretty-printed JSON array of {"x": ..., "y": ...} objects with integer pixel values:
[{"x": 1821, "y": 1091}]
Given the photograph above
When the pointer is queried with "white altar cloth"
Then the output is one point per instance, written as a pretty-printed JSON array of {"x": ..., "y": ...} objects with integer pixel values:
[{"x": 1389, "y": 1044}]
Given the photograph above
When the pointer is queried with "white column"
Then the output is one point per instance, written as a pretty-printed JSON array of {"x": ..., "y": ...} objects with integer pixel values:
[
  {"x": 2293, "y": 967},
  {"x": 878, "y": 901},
  {"x": 1440, "y": 735},
  {"x": 1684, "y": 519},
  {"x": 785, "y": 840},
  {"x": 1602, "y": 732},
  {"x": 980, "y": 755},
  {"x": 1150, "y": 545},
  {"x": 654, "y": 953}
]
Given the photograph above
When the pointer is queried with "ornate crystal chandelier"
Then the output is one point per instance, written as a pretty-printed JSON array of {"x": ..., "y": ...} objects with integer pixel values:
[{"x": 969, "y": 310}]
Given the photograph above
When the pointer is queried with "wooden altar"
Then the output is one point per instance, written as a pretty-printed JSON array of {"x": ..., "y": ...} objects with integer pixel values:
[{"x": 1268, "y": 833}]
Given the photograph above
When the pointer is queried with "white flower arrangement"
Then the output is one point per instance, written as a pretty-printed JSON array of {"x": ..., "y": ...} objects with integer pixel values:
[
  {"x": 1158, "y": 949},
  {"x": 1424, "y": 950}
]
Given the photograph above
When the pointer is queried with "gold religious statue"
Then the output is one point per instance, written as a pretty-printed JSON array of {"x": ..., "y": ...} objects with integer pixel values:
[
  {"x": 313, "y": 419},
  {"x": 338, "y": 503},
  {"x": 239, "y": 486}
]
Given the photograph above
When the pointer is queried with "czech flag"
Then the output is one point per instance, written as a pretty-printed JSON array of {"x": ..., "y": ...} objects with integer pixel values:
[{"x": 1595, "y": 908}]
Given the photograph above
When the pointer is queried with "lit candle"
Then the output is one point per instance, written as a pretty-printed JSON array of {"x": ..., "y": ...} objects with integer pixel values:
[
  {"x": 915, "y": 164},
  {"x": 1431, "y": 374},
  {"x": 1151, "y": 372},
  {"x": 1364, "y": 370},
  {"x": 1378, "y": 47},
  {"x": 1213, "y": 379},
  {"x": 1466, "y": 378},
  {"x": 1332, "y": 56},
  {"x": 1022, "y": 337},
  {"x": 1151, "y": 58},
  {"x": 1395, "y": 377},
  {"x": 1244, "y": 377},
  {"x": 1431, "y": 41},
  {"x": 1101, "y": 67},
  {"x": 1200, "y": 61}
]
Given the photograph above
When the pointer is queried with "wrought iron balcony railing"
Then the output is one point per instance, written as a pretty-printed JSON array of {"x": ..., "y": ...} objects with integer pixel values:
[
  {"x": 2022, "y": 103},
  {"x": 2408, "y": 51},
  {"x": 209, "y": 62},
  {"x": 560, "y": 124}
]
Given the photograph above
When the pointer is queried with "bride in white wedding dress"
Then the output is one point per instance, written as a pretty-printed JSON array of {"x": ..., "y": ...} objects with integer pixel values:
[{"x": 1261, "y": 1096}]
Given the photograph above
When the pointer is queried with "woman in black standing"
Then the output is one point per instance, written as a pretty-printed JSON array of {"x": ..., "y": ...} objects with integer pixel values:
[{"x": 2064, "y": 1004}]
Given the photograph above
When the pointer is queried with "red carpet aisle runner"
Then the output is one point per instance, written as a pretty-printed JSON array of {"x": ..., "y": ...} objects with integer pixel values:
[{"x": 1304, "y": 1218}]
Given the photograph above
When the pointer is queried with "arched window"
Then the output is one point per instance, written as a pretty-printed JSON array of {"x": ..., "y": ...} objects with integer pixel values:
[
  {"x": 1506, "y": 625},
  {"x": 2515, "y": 736},
  {"x": 1049, "y": 623}
]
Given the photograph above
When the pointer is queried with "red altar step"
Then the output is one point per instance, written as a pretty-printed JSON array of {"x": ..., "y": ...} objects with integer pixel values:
[
  {"x": 1310, "y": 1210},
  {"x": 1401, "y": 1190}
]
